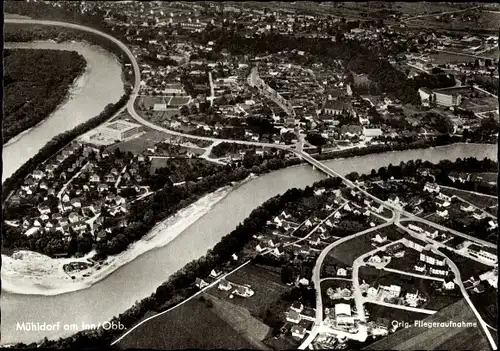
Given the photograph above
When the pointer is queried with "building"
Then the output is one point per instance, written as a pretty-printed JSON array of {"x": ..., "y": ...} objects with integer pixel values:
[
  {"x": 343, "y": 314},
  {"x": 426, "y": 96},
  {"x": 438, "y": 270},
  {"x": 336, "y": 107},
  {"x": 432, "y": 258},
  {"x": 372, "y": 291},
  {"x": 414, "y": 243},
  {"x": 415, "y": 228},
  {"x": 443, "y": 213},
  {"x": 119, "y": 130},
  {"x": 443, "y": 98},
  {"x": 243, "y": 291},
  {"x": 372, "y": 132},
  {"x": 293, "y": 316},
  {"x": 225, "y": 285},
  {"x": 341, "y": 272},
  {"x": 200, "y": 283},
  {"x": 432, "y": 187},
  {"x": 297, "y": 306},
  {"x": 488, "y": 253},
  {"x": 420, "y": 267},
  {"x": 412, "y": 294},
  {"x": 159, "y": 107},
  {"x": 450, "y": 285},
  {"x": 298, "y": 331}
]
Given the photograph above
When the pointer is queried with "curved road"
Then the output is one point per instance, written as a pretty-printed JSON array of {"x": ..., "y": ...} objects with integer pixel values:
[
  {"x": 300, "y": 153},
  {"x": 137, "y": 81}
]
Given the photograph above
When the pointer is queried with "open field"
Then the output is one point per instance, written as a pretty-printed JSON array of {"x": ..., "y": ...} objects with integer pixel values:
[
  {"x": 348, "y": 251},
  {"x": 475, "y": 199},
  {"x": 377, "y": 311},
  {"x": 466, "y": 266},
  {"x": 140, "y": 144},
  {"x": 442, "y": 58},
  {"x": 240, "y": 320},
  {"x": 483, "y": 103},
  {"x": 15, "y": 16},
  {"x": 493, "y": 53},
  {"x": 177, "y": 101},
  {"x": 265, "y": 283},
  {"x": 486, "y": 304},
  {"x": 147, "y": 102},
  {"x": 192, "y": 325},
  {"x": 486, "y": 22},
  {"x": 438, "y": 338}
]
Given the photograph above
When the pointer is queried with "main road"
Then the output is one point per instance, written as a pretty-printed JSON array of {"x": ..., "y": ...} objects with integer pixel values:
[
  {"x": 299, "y": 152},
  {"x": 137, "y": 81}
]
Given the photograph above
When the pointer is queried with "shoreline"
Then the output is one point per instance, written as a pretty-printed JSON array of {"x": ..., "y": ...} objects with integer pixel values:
[
  {"x": 74, "y": 89},
  {"x": 28, "y": 275}
]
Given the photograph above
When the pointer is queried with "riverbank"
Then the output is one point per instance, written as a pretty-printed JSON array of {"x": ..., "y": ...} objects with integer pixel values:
[
  {"x": 31, "y": 273},
  {"x": 74, "y": 89},
  {"x": 141, "y": 277},
  {"x": 29, "y": 75},
  {"x": 99, "y": 85}
]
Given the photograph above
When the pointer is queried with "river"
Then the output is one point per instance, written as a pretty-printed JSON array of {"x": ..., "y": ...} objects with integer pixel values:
[
  {"x": 99, "y": 85},
  {"x": 142, "y": 276}
]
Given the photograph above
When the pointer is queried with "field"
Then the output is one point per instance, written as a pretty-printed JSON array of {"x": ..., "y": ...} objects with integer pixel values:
[
  {"x": 348, "y": 251},
  {"x": 466, "y": 266},
  {"x": 377, "y": 311},
  {"x": 438, "y": 338},
  {"x": 147, "y": 102},
  {"x": 482, "y": 103},
  {"x": 493, "y": 53},
  {"x": 192, "y": 325},
  {"x": 481, "y": 201},
  {"x": 407, "y": 262},
  {"x": 240, "y": 320},
  {"x": 265, "y": 283},
  {"x": 139, "y": 145},
  {"x": 486, "y": 304},
  {"x": 486, "y": 22},
  {"x": 442, "y": 58},
  {"x": 14, "y": 16},
  {"x": 177, "y": 101}
]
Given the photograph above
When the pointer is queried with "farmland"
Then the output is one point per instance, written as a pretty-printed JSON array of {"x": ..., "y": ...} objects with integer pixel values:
[
  {"x": 348, "y": 251},
  {"x": 265, "y": 283},
  {"x": 192, "y": 325},
  {"x": 377, "y": 311},
  {"x": 479, "y": 200},
  {"x": 438, "y": 338}
]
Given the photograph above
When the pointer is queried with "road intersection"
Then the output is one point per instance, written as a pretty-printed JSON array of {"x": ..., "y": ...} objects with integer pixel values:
[{"x": 318, "y": 327}]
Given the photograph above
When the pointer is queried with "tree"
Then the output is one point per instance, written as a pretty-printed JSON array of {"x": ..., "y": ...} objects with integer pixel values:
[{"x": 317, "y": 140}]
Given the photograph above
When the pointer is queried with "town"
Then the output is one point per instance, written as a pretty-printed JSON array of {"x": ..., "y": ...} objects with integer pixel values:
[{"x": 227, "y": 93}]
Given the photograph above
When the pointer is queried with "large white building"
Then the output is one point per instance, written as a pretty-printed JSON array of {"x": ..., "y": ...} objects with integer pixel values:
[{"x": 119, "y": 130}]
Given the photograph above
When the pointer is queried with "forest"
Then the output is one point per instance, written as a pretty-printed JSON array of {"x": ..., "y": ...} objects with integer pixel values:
[
  {"x": 35, "y": 83},
  {"x": 24, "y": 33}
]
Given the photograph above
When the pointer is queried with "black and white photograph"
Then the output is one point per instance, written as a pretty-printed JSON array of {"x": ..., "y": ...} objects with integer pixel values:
[{"x": 260, "y": 175}]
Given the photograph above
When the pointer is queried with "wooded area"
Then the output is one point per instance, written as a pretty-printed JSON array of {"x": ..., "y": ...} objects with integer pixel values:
[{"x": 35, "y": 83}]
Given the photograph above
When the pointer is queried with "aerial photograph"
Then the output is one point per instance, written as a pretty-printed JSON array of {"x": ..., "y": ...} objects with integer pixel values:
[{"x": 263, "y": 175}]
